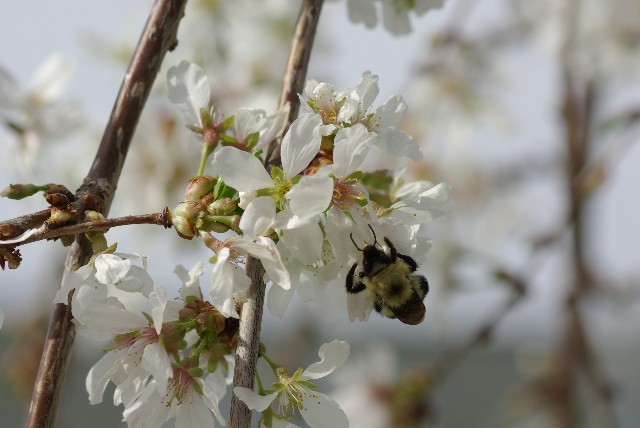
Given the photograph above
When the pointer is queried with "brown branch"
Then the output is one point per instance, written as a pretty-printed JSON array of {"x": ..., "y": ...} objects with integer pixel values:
[
  {"x": 94, "y": 226},
  {"x": 17, "y": 226},
  {"x": 251, "y": 316},
  {"x": 158, "y": 36},
  {"x": 296, "y": 70},
  {"x": 575, "y": 353}
]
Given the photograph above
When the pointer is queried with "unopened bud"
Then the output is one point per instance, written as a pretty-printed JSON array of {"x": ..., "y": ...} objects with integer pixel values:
[
  {"x": 20, "y": 191},
  {"x": 59, "y": 216},
  {"x": 59, "y": 196},
  {"x": 184, "y": 227},
  {"x": 92, "y": 216},
  {"x": 188, "y": 209},
  {"x": 224, "y": 206},
  {"x": 198, "y": 187},
  {"x": 187, "y": 314}
]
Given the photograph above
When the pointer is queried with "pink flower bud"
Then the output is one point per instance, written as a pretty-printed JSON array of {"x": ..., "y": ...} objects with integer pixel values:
[{"x": 198, "y": 187}]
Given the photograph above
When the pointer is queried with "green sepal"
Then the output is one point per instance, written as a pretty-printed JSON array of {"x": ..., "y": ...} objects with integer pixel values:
[
  {"x": 205, "y": 117},
  {"x": 197, "y": 388},
  {"x": 277, "y": 173},
  {"x": 194, "y": 128},
  {"x": 308, "y": 384},
  {"x": 147, "y": 317},
  {"x": 221, "y": 190},
  {"x": 226, "y": 124},
  {"x": 360, "y": 200},
  {"x": 355, "y": 175},
  {"x": 252, "y": 140},
  {"x": 195, "y": 372},
  {"x": 228, "y": 139}
]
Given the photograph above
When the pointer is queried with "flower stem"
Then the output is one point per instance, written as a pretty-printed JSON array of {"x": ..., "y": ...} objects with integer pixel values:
[
  {"x": 159, "y": 35},
  {"x": 94, "y": 226},
  {"x": 251, "y": 317},
  {"x": 205, "y": 152}
]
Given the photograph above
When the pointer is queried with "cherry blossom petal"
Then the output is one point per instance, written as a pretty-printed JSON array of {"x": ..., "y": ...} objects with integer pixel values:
[
  {"x": 247, "y": 121},
  {"x": 214, "y": 389},
  {"x": 136, "y": 280},
  {"x": 350, "y": 148},
  {"x": 367, "y": 89},
  {"x": 226, "y": 281},
  {"x": 258, "y": 217},
  {"x": 111, "y": 268},
  {"x": 190, "y": 280},
  {"x": 98, "y": 376},
  {"x": 105, "y": 316},
  {"x": 311, "y": 196},
  {"x": 193, "y": 412},
  {"x": 241, "y": 170},
  {"x": 278, "y": 300},
  {"x": 304, "y": 243},
  {"x": 158, "y": 299},
  {"x": 358, "y": 307},
  {"x": 321, "y": 411},
  {"x": 265, "y": 249},
  {"x": 300, "y": 144},
  {"x": 332, "y": 356},
  {"x": 157, "y": 363},
  {"x": 392, "y": 111},
  {"x": 398, "y": 143},
  {"x": 188, "y": 88},
  {"x": 274, "y": 126},
  {"x": 253, "y": 400}
]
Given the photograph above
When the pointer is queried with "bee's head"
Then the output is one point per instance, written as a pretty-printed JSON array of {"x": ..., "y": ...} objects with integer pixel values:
[{"x": 372, "y": 254}]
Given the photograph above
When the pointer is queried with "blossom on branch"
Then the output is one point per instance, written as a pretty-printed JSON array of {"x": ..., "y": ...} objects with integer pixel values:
[{"x": 296, "y": 393}]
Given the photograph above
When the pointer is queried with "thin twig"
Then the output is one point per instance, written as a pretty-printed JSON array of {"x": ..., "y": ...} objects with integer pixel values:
[
  {"x": 158, "y": 36},
  {"x": 23, "y": 223},
  {"x": 576, "y": 353},
  {"x": 251, "y": 316},
  {"x": 94, "y": 226}
]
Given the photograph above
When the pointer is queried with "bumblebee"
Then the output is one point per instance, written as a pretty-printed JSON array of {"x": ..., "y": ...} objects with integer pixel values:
[{"x": 390, "y": 281}]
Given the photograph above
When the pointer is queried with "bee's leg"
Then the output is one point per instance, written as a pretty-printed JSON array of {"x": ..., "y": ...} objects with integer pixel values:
[
  {"x": 351, "y": 288},
  {"x": 421, "y": 285},
  {"x": 408, "y": 260},
  {"x": 392, "y": 249}
]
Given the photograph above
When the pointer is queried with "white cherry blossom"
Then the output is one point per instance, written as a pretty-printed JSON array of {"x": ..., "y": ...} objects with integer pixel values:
[
  {"x": 192, "y": 401},
  {"x": 296, "y": 392},
  {"x": 188, "y": 88}
]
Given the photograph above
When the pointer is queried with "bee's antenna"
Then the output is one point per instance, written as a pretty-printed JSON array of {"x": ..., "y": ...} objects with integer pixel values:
[
  {"x": 375, "y": 240},
  {"x": 354, "y": 242}
]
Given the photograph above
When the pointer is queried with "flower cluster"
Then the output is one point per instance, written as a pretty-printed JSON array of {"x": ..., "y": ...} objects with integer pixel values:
[
  {"x": 173, "y": 359},
  {"x": 300, "y": 216},
  {"x": 167, "y": 358}
]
